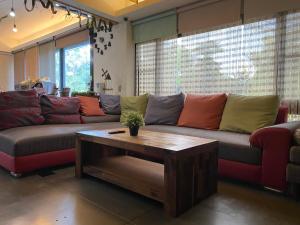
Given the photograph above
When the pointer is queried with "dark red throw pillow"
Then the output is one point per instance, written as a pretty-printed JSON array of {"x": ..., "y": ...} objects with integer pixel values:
[
  {"x": 60, "y": 110},
  {"x": 19, "y": 108}
]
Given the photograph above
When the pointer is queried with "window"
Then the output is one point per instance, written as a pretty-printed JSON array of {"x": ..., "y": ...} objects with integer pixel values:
[
  {"x": 73, "y": 67},
  {"x": 258, "y": 58}
]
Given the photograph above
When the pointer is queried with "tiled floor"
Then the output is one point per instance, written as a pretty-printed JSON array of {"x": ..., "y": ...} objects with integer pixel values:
[{"x": 64, "y": 200}]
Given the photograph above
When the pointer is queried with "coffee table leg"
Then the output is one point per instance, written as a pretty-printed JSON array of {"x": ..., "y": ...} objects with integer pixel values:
[
  {"x": 188, "y": 180},
  {"x": 78, "y": 167},
  {"x": 179, "y": 185}
]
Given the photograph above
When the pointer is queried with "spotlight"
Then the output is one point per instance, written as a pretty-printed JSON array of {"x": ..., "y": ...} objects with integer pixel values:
[
  {"x": 57, "y": 5},
  {"x": 89, "y": 16},
  {"x": 12, "y": 12},
  {"x": 15, "y": 29}
]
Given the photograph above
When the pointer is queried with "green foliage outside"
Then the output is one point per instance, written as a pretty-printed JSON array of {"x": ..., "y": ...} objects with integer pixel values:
[
  {"x": 77, "y": 68},
  {"x": 86, "y": 93}
]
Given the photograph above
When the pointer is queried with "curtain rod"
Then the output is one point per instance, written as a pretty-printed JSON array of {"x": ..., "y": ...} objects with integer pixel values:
[
  {"x": 50, "y": 39},
  {"x": 197, "y": 4}
]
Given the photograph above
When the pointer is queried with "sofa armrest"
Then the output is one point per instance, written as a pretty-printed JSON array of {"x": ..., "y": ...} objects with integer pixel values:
[{"x": 275, "y": 142}]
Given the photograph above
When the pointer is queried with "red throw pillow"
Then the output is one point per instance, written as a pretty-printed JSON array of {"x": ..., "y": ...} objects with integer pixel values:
[
  {"x": 203, "y": 111},
  {"x": 89, "y": 106},
  {"x": 19, "y": 108}
]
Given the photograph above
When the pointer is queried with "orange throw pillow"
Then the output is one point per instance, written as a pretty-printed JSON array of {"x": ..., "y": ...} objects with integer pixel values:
[
  {"x": 89, "y": 106},
  {"x": 203, "y": 111}
]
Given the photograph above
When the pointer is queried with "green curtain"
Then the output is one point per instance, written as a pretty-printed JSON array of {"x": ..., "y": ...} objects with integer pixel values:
[{"x": 155, "y": 27}]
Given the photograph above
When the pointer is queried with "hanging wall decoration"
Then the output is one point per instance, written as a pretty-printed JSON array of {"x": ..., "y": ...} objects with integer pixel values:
[
  {"x": 100, "y": 28},
  {"x": 96, "y": 25},
  {"x": 3, "y": 17},
  {"x": 104, "y": 30},
  {"x": 45, "y": 3},
  {"x": 107, "y": 80}
]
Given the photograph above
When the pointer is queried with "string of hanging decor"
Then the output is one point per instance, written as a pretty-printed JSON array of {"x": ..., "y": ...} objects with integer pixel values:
[
  {"x": 100, "y": 28},
  {"x": 95, "y": 23}
]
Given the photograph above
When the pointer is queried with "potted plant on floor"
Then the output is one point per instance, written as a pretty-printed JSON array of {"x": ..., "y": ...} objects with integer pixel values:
[{"x": 133, "y": 120}]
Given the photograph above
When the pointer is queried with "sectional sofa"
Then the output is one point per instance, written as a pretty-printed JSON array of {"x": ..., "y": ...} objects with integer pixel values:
[{"x": 259, "y": 158}]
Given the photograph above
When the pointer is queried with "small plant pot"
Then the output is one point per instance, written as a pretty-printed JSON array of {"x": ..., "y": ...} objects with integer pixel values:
[{"x": 134, "y": 131}]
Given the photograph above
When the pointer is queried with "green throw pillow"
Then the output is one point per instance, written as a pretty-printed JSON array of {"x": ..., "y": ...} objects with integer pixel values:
[
  {"x": 245, "y": 114},
  {"x": 133, "y": 103}
]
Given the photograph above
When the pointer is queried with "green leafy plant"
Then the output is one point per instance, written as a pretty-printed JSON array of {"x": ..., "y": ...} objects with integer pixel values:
[
  {"x": 133, "y": 119},
  {"x": 88, "y": 93}
]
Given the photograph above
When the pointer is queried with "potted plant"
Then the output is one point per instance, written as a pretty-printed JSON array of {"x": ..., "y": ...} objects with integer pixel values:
[{"x": 133, "y": 120}]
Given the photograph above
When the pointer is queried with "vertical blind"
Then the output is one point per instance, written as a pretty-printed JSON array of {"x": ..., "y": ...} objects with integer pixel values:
[
  {"x": 31, "y": 62},
  {"x": 257, "y": 58},
  {"x": 19, "y": 67},
  {"x": 47, "y": 60}
]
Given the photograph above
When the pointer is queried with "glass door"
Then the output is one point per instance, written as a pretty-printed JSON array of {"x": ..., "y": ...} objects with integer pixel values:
[{"x": 74, "y": 67}]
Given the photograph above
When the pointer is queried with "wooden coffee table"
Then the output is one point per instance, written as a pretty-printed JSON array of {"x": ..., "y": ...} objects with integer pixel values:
[{"x": 187, "y": 174}]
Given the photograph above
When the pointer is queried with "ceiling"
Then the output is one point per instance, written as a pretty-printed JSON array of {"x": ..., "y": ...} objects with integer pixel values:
[
  {"x": 34, "y": 25},
  {"x": 41, "y": 23}
]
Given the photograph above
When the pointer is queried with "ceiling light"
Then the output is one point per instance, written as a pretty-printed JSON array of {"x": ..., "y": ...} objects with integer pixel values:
[
  {"x": 15, "y": 29},
  {"x": 89, "y": 16},
  {"x": 12, "y": 12},
  {"x": 57, "y": 5}
]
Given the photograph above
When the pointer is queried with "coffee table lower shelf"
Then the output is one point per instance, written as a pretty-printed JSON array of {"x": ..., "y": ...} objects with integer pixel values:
[
  {"x": 188, "y": 173},
  {"x": 138, "y": 175}
]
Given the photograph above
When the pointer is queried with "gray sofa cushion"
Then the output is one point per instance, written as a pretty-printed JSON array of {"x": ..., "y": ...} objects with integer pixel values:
[
  {"x": 24, "y": 141},
  {"x": 164, "y": 109},
  {"x": 295, "y": 154},
  {"x": 233, "y": 146},
  {"x": 293, "y": 173},
  {"x": 30, "y": 140},
  {"x": 110, "y": 104},
  {"x": 101, "y": 119}
]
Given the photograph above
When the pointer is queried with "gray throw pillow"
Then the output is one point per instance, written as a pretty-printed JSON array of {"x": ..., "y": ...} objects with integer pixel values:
[
  {"x": 164, "y": 109},
  {"x": 110, "y": 104}
]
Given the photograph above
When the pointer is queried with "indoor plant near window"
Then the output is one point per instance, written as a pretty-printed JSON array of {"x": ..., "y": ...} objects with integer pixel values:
[{"x": 133, "y": 120}]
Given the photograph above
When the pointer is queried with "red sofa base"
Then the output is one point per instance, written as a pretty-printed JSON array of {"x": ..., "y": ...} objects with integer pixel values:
[
  {"x": 24, "y": 164},
  {"x": 240, "y": 171},
  {"x": 230, "y": 169}
]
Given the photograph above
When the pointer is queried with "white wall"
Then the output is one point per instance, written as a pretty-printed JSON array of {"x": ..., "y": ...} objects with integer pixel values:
[
  {"x": 119, "y": 60},
  {"x": 6, "y": 72}
]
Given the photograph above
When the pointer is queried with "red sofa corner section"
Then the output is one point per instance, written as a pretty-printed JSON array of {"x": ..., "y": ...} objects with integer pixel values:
[
  {"x": 30, "y": 163},
  {"x": 275, "y": 142}
]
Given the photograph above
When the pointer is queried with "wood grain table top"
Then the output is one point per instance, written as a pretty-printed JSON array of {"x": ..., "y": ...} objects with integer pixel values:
[{"x": 158, "y": 140}]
